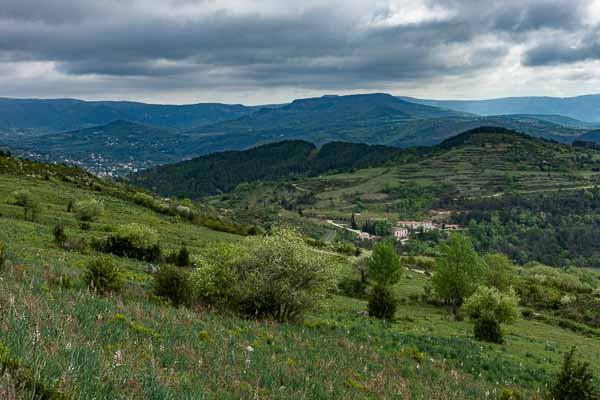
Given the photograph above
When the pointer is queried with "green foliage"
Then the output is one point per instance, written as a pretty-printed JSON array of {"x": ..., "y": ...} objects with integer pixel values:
[
  {"x": 88, "y": 210},
  {"x": 458, "y": 270},
  {"x": 490, "y": 308},
  {"x": 279, "y": 277},
  {"x": 384, "y": 264},
  {"x": 488, "y": 330},
  {"x": 382, "y": 302},
  {"x": 30, "y": 203},
  {"x": 489, "y": 303},
  {"x": 174, "y": 284},
  {"x": 182, "y": 258},
  {"x": 60, "y": 237},
  {"x": 575, "y": 380},
  {"x": 3, "y": 255},
  {"x": 510, "y": 394},
  {"x": 103, "y": 276},
  {"x": 500, "y": 271},
  {"x": 133, "y": 240}
]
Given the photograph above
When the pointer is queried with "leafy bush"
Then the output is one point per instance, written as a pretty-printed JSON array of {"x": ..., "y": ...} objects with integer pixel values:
[
  {"x": 133, "y": 240},
  {"x": 173, "y": 284},
  {"x": 21, "y": 197},
  {"x": 510, "y": 394},
  {"x": 31, "y": 205},
  {"x": 60, "y": 237},
  {"x": 382, "y": 302},
  {"x": 88, "y": 210},
  {"x": 278, "y": 277},
  {"x": 489, "y": 308},
  {"x": 3, "y": 256},
  {"x": 103, "y": 275},
  {"x": 488, "y": 330},
  {"x": 180, "y": 258},
  {"x": 575, "y": 381},
  {"x": 352, "y": 287}
]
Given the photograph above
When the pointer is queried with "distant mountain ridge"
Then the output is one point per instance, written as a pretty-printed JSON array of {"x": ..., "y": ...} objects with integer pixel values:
[
  {"x": 584, "y": 108},
  {"x": 40, "y": 116}
]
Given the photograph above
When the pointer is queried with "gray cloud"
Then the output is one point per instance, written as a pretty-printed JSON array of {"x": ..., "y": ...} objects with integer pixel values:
[{"x": 161, "y": 44}]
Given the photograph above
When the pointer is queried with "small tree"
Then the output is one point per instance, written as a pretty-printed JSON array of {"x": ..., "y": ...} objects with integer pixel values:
[
  {"x": 490, "y": 308},
  {"x": 384, "y": 264},
  {"x": 103, "y": 275},
  {"x": 500, "y": 271},
  {"x": 31, "y": 205},
  {"x": 575, "y": 380},
  {"x": 458, "y": 272},
  {"x": 88, "y": 210},
  {"x": 385, "y": 270}
]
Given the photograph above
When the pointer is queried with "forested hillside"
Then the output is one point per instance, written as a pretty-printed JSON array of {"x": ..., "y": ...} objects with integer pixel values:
[{"x": 222, "y": 172}]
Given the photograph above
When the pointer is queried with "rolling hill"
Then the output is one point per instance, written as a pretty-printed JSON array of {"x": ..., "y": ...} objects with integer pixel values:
[
  {"x": 481, "y": 162},
  {"x": 584, "y": 108},
  {"x": 222, "y": 172}
]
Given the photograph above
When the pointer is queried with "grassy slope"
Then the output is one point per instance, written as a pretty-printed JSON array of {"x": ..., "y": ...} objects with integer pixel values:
[
  {"x": 481, "y": 167},
  {"x": 129, "y": 346}
]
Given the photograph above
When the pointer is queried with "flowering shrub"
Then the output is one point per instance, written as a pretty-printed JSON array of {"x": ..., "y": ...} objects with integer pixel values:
[
  {"x": 278, "y": 277},
  {"x": 489, "y": 308},
  {"x": 88, "y": 210}
]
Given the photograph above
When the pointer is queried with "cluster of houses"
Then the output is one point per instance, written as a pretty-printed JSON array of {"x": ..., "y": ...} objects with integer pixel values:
[{"x": 403, "y": 229}]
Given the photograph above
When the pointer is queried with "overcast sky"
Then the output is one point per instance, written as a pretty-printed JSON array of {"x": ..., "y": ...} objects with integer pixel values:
[{"x": 270, "y": 51}]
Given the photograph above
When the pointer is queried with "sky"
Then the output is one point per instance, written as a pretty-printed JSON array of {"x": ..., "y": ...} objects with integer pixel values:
[{"x": 273, "y": 51}]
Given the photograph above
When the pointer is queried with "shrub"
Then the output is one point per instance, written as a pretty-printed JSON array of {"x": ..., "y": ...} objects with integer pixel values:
[
  {"x": 60, "y": 237},
  {"x": 31, "y": 205},
  {"x": 21, "y": 197},
  {"x": 3, "y": 256},
  {"x": 510, "y": 394},
  {"x": 575, "y": 380},
  {"x": 489, "y": 308},
  {"x": 488, "y": 330},
  {"x": 382, "y": 302},
  {"x": 173, "y": 284},
  {"x": 180, "y": 258},
  {"x": 103, "y": 276},
  {"x": 278, "y": 277},
  {"x": 88, "y": 210},
  {"x": 133, "y": 240},
  {"x": 353, "y": 287}
]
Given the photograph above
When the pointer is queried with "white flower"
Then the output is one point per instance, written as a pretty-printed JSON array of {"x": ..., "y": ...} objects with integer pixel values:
[{"x": 249, "y": 349}]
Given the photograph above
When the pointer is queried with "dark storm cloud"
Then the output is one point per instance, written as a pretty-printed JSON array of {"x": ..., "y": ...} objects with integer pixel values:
[
  {"x": 325, "y": 44},
  {"x": 566, "y": 52}
]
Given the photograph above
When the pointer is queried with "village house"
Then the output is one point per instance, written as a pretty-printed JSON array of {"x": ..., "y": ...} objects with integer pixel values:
[
  {"x": 414, "y": 225},
  {"x": 401, "y": 233}
]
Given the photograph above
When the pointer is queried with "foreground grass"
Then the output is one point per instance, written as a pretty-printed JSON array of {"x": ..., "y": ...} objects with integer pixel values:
[{"x": 133, "y": 346}]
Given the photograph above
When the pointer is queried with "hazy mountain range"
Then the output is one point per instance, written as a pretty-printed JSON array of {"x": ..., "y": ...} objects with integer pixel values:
[{"x": 110, "y": 137}]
